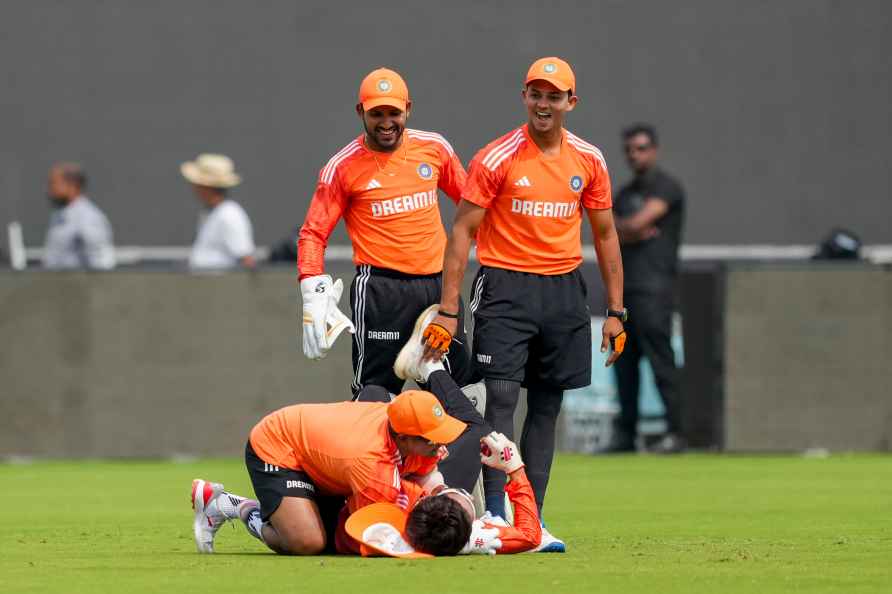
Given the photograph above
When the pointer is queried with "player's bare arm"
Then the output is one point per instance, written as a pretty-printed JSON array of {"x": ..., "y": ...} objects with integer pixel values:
[
  {"x": 611, "y": 265},
  {"x": 641, "y": 225},
  {"x": 455, "y": 261}
]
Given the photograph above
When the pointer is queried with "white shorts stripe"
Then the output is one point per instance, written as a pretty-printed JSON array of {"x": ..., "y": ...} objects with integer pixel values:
[
  {"x": 477, "y": 294},
  {"x": 359, "y": 304}
]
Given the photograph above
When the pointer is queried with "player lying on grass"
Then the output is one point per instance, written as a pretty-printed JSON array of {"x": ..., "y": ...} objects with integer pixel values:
[
  {"x": 440, "y": 524},
  {"x": 436, "y": 527},
  {"x": 426, "y": 524}
]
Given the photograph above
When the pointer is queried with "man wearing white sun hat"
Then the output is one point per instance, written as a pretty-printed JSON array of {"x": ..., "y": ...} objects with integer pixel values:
[{"x": 225, "y": 239}]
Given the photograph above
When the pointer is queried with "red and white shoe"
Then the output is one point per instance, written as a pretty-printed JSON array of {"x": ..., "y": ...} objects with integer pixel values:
[{"x": 208, "y": 517}]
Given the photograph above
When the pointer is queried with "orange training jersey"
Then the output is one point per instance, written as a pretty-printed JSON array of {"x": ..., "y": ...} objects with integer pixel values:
[
  {"x": 346, "y": 449},
  {"x": 534, "y": 203},
  {"x": 389, "y": 203}
]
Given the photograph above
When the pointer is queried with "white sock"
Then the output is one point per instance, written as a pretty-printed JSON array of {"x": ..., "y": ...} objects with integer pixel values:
[{"x": 228, "y": 504}]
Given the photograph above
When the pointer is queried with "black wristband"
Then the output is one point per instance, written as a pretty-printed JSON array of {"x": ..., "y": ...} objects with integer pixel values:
[{"x": 446, "y": 314}]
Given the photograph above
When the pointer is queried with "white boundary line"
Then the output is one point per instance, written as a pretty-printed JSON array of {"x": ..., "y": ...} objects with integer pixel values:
[{"x": 879, "y": 254}]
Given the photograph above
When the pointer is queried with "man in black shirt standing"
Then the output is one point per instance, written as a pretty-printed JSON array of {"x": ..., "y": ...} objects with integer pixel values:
[{"x": 649, "y": 212}]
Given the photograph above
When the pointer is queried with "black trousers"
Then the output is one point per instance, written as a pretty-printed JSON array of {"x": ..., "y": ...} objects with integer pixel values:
[
  {"x": 462, "y": 467},
  {"x": 649, "y": 330}
]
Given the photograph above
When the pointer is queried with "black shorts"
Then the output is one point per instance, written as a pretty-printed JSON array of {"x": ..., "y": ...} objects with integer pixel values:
[
  {"x": 272, "y": 483},
  {"x": 385, "y": 305},
  {"x": 532, "y": 328}
]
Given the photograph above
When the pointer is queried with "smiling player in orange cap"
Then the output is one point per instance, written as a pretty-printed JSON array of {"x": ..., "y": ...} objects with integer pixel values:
[
  {"x": 304, "y": 460},
  {"x": 524, "y": 202},
  {"x": 384, "y": 185}
]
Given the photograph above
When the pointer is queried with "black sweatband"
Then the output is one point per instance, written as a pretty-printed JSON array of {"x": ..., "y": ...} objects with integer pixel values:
[{"x": 446, "y": 314}]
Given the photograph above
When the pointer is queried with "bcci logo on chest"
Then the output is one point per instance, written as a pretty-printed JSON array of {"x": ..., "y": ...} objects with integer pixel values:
[
  {"x": 425, "y": 171},
  {"x": 576, "y": 183}
]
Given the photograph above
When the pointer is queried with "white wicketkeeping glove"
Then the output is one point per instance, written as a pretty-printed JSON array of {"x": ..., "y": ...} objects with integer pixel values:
[
  {"x": 323, "y": 321},
  {"x": 497, "y": 451},
  {"x": 483, "y": 541}
]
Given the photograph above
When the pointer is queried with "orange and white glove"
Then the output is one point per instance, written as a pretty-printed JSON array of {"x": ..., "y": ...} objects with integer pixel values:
[
  {"x": 497, "y": 451},
  {"x": 323, "y": 322}
]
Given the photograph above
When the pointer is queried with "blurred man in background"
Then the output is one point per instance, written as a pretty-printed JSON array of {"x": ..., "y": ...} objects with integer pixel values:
[
  {"x": 649, "y": 212},
  {"x": 79, "y": 234},
  {"x": 225, "y": 239}
]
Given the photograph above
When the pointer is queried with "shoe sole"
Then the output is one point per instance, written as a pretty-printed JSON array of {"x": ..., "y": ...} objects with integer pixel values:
[
  {"x": 402, "y": 359},
  {"x": 554, "y": 547},
  {"x": 203, "y": 492}
]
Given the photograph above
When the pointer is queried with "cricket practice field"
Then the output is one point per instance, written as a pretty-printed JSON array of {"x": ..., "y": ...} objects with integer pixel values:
[{"x": 717, "y": 524}]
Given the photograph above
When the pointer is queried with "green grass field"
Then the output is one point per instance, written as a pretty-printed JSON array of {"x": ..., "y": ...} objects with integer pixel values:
[{"x": 699, "y": 523}]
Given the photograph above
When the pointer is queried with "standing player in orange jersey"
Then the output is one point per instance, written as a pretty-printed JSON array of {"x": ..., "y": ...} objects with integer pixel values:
[
  {"x": 384, "y": 185},
  {"x": 524, "y": 202}
]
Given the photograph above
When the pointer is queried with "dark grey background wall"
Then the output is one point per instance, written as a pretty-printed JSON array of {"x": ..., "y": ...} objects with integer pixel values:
[
  {"x": 806, "y": 358},
  {"x": 774, "y": 114},
  {"x": 155, "y": 364}
]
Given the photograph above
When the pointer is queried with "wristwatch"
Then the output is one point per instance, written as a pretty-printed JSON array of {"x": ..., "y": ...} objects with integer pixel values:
[{"x": 622, "y": 314}]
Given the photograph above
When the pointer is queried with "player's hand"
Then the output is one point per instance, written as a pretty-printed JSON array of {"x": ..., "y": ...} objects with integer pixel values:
[
  {"x": 483, "y": 541},
  {"x": 323, "y": 322},
  {"x": 497, "y": 451},
  {"x": 437, "y": 337},
  {"x": 442, "y": 453},
  {"x": 613, "y": 337}
]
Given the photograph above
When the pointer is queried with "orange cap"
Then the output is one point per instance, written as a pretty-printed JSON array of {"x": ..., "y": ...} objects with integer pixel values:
[
  {"x": 382, "y": 528},
  {"x": 415, "y": 412},
  {"x": 555, "y": 71},
  {"x": 383, "y": 87}
]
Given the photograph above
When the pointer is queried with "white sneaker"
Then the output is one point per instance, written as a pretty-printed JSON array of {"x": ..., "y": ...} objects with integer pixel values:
[
  {"x": 208, "y": 517},
  {"x": 550, "y": 543},
  {"x": 408, "y": 363}
]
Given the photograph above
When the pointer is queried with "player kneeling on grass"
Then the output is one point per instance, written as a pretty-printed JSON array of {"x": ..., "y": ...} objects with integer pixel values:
[
  {"x": 312, "y": 465},
  {"x": 443, "y": 522}
]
